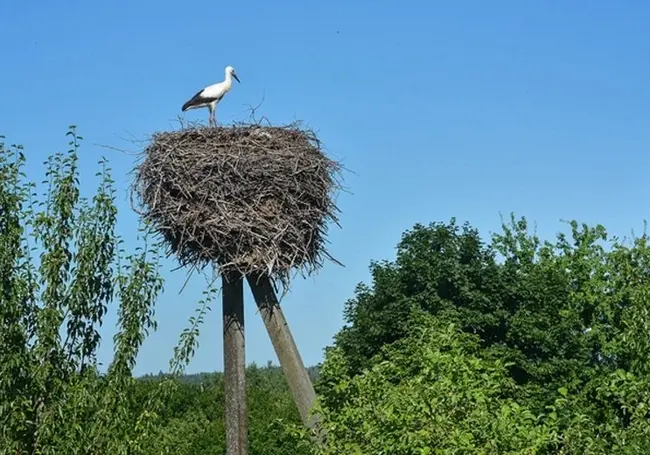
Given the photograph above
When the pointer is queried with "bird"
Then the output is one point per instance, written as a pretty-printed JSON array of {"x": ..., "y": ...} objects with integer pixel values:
[{"x": 212, "y": 94}]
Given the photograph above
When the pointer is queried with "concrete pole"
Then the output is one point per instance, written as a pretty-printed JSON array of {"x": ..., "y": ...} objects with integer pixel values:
[
  {"x": 285, "y": 347},
  {"x": 234, "y": 358}
]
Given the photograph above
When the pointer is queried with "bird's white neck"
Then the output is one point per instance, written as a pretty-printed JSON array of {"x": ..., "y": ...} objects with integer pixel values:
[{"x": 228, "y": 79}]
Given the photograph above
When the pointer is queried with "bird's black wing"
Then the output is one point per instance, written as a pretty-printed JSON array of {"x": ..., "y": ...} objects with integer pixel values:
[{"x": 197, "y": 100}]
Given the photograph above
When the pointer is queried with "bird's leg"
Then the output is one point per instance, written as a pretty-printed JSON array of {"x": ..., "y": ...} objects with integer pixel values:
[{"x": 211, "y": 116}]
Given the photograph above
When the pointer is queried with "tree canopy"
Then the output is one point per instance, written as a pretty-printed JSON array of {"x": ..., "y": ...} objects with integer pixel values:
[
  {"x": 545, "y": 341},
  {"x": 61, "y": 265}
]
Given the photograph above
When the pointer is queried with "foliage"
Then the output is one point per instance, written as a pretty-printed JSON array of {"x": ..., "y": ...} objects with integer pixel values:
[
  {"x": 427, "y": 393},
  {"x": 61, "y": 266},
  {"x": 557, "y": 364},
  {"x": 192, "y": 419}
]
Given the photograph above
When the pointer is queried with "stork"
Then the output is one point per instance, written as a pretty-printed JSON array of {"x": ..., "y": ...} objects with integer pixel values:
[{"x": 211, "y": 95}]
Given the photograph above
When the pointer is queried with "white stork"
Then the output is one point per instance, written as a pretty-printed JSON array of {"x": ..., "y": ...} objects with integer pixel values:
[{"x": 211, "y": 95}]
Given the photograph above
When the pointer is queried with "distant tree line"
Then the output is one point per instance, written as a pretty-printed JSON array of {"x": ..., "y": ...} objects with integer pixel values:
[{"x": 209, "y": 377}]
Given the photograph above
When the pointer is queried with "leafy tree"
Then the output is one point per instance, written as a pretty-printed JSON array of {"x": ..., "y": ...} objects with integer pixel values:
[
  {"x": 443, "y": 269},
  {"x": 61, "y": 266},
  {"x": 565, "y": 321}
]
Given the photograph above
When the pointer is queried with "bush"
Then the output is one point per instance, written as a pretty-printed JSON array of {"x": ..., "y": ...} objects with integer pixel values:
[{"x": 428, "y": 393}]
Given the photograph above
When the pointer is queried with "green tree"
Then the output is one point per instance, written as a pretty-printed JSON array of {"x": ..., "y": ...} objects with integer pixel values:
[
  {"x": 443, "y": 269},
  {"x": 565, "y": 320},
  {"x": 61, "y": 266}
]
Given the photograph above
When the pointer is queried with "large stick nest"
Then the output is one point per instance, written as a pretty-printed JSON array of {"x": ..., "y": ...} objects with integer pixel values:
[{"x": 245, "y": 198}]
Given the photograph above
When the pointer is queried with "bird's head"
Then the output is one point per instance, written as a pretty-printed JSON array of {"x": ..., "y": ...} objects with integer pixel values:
[{"x": 230, "y": 70}]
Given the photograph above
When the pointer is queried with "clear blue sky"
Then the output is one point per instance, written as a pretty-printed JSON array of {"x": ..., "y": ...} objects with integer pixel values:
[{"x": 463, "y": 109}]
